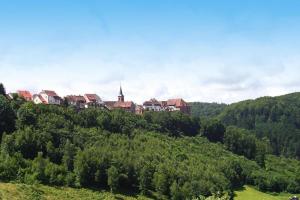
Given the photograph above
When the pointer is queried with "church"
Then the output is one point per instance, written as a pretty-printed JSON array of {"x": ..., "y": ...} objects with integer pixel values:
[{"x": 128, "y": 106}]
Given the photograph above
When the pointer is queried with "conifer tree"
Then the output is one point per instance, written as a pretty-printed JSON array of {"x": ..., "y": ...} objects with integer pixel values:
[{"x": 2, "y": 90}]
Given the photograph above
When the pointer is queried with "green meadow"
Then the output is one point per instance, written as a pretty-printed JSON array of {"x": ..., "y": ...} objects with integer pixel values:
[
  {"x": 250, "y": 193},
  {"x": 10, "y": 191}
]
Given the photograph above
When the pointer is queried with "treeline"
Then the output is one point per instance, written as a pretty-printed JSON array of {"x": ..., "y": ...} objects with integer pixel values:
[
  {"x": 166, "y": 155},
  {"x": 206, "y": 110},
  {"x": 276, "y": 119}
]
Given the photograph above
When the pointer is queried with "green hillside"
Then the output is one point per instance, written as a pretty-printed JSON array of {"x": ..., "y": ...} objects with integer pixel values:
[
  {"x": 162, "y": 155},
  {"x": 274, "y": 118},
  {"x": 206, "y": 110}
]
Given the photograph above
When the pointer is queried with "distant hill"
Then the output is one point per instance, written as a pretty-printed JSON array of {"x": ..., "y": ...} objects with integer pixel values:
[
  {"x": 203, "y": 109},
  {"x": 276, "y": 118}
]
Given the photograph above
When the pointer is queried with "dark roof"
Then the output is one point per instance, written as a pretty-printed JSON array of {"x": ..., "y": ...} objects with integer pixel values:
[
  {"x": 152, "y": 102},
  {"x": 75, "y": 98}
]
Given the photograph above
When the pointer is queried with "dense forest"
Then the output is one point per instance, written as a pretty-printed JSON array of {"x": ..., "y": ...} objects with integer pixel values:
[
  {"x": 206, "y": 110},
  {"x": 276, "y": 119},
  {"x": 163, "y": 155}
]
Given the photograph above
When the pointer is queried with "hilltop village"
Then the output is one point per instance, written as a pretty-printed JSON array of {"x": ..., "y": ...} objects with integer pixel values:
[{"x": 93, "y": 100}]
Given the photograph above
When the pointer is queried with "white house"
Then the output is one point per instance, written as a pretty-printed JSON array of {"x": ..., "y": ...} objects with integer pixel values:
[
  {"x": 93, "y": 100},
  {"x": 47, "y": 97},
  {"x": 152, "y": 105}
]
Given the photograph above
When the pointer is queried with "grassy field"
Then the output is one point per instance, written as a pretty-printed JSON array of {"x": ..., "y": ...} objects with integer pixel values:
[
  {"x": 9, "y": 191},
  {"x": 249, "y": 193}
]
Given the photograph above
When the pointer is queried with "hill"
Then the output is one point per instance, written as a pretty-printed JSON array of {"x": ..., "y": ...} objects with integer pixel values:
[
  {"x": 157, "y": 154},
  {"x": 274, "y": 118},
  {"x": 206, "y": 110}
]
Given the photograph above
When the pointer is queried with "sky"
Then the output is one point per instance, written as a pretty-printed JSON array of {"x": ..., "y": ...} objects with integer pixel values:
[{"x": 199, "y": 50}]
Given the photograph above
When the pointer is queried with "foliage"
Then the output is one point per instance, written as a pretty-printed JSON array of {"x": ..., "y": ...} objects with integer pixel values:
[
  {"x": 276, "y": 118},
  {"x": 206, "y": 110},
  {"x": 160, "y": 154},
  {"x": 2, "y": 90},
  {"x": 213, "y": 130},
  {"x": 35, "y": 192},
  {"x": 249, "y": 193},
  {"x": 7, "y": 116}
]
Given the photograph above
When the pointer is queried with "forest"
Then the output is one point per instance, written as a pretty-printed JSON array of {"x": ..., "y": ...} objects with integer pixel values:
[
  {"x": 276, "y": 119},
  {"x": 162, "y": 155}
]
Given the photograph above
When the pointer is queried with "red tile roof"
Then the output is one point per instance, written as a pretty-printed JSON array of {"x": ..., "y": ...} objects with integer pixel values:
[
  {"x": 176, "y": 102},
  {"x": 25, "y": 94},
  {"x": 50, "y": 93},
  {"x": 125, "y": 104},
  {"x": 91, "y": 97}
]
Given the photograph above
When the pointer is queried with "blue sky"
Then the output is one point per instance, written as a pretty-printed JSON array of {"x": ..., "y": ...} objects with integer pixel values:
[{"x": 200, "y": 50}]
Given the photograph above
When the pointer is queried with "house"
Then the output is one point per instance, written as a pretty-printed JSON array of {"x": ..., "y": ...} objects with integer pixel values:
[
  {"x": 77, "y": 101},
  {"x": 177, "y": 105},
  {"x": 38, "y": 99},
  {"x": 25, "y": 94},
  {"x": 93, "y": 100},
  {"x": 109, "y": 104},
  {"x": 128, "y": 106},
  {"x": 139, "y": 109},
  {"x": 152, "y": 105},
  {"x": 169, "y": 105},
  {"x": 47, "y": 97}
]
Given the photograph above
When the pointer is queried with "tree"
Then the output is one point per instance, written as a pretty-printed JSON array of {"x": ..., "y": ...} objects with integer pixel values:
[
  {"x": 7, "y": 116},
  {"x": 175, "y": 191},
  {"x": 69, "y": 154},
  {"x": 113, "y": 178},
  {"x": 145, "y": 178},
  {"x": 213, "y": 130},
  {"x": 27, "y": 115},
  {"x": 161, "y": 181},
  {"x": 2, "y": 90}
]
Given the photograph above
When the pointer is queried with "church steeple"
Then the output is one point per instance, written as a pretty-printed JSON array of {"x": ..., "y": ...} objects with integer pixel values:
[{"x": 121, "y": 96}]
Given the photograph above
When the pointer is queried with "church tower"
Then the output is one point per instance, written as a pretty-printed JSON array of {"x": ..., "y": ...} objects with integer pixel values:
[{"x": 121, "y": 96}]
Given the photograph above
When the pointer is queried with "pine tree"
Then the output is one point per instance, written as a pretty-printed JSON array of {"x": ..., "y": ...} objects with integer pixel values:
[
  {"x": 2, "y": 90},
  {"x": 113, "y": 178}
]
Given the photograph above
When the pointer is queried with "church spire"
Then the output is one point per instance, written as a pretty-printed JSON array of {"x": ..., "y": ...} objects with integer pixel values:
[
  {"x": 121, "y": 92},
  {"x": 121, "y": 96}
]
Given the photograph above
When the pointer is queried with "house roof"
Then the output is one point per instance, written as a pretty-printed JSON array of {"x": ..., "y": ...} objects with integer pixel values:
[
  {"x": 75, "y": 98},
  {"x": 152, "y": 102},
  {"x": 125, "y": 104},
  {"x": 176, "y": 102},
  {"x": 109, "y": 104},
  {"x": 50, "y": 93},
  {"x": 92, "y": 97},
  {"x": 25, "y": 94}
]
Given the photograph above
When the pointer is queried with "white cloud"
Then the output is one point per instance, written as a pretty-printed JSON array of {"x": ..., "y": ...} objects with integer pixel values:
[{"x": 230, "y": 76}]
